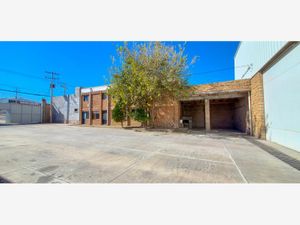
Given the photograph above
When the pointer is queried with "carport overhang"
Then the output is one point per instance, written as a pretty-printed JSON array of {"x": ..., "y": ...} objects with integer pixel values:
[{"x": 207, "y": 97}]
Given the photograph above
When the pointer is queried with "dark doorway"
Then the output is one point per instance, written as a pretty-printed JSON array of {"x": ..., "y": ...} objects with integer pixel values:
[
  {"x": 104, "y": 117},
  {"x": 85, "y": 117},
  {"x": 229, "y": 114}
]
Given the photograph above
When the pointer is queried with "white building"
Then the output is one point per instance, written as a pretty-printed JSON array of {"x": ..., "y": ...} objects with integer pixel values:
[
  {"x": 20, "y": 111},
  {"x": 279, "y": 64}
]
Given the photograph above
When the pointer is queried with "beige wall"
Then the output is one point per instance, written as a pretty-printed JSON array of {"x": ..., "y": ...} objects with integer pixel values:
[
  {"x": 257, "y": 106},
  {"x": 240, "y": 114},
  {"x": 238, "y": 85},
  {"x": 166, "y": 114},
  {"x": 194, "y": 109},
  {"x": 222, "y": 115}
]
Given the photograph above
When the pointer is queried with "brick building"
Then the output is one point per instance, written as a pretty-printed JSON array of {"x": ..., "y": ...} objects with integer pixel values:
[
  {"x": 257, "y": 102},
  {"x": 223, "y": 105},
  {"x": 95, "y": 106}
]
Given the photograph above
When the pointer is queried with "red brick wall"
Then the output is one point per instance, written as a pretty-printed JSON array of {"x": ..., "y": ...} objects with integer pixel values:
[{"x": 167, "y": 114}]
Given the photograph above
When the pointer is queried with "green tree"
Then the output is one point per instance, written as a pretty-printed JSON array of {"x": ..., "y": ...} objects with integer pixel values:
[
  {"x": 148, "y": 73},
  {"x": 140, "y": 115},
  {"x": 118, "y": 113}
]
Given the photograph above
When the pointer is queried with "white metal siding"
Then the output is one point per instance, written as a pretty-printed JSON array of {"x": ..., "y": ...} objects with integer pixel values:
[
  {"x": 257, "y": 53},
  {"x": 20, "y": 113},
  {"x": 282, "y": 100}
]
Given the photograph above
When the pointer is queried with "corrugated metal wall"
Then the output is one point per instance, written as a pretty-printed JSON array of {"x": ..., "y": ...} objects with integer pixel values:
[
  {"x": 20, "y": 113},
  {"x": 282, "y": 100},
  {"x": 257, "y": 53}
]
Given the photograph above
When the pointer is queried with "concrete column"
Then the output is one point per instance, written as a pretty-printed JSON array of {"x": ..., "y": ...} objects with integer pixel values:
[
  {"x": 43, "y": 111},
  {"x": 80, "y": 105},
  {"x": 90, "y": 107},
  {"x": 101, "y": 108},
  {"x": 207, "y": 115},
  {"x": 108, "y": 109}
]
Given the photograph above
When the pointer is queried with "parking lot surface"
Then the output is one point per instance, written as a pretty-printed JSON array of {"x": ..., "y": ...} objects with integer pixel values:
[{"x": 57, "y": 153}]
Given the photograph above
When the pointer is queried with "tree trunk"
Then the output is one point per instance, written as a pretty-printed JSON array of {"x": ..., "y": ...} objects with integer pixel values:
[{"x": 152, "y": 116}]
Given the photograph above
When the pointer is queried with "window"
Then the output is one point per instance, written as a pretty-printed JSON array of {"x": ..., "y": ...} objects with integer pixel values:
[
  {"x": 75, "y": 110},
  {"x": 96, "y": 115},
  {"x": 104, "y": 117},
  {"x": 85, "y": 98},
  {"x": 104, "y": 96}
]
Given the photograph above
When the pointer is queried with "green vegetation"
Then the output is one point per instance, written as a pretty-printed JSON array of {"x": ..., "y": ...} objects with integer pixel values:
[
  {"x": 140, "y": 115},
  {"x": 118, "y": 113},
  {"x": 146, "y": 74}
]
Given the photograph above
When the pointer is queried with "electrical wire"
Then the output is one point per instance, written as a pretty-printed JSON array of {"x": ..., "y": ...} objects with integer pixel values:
[{"x": 25, "y": 93}]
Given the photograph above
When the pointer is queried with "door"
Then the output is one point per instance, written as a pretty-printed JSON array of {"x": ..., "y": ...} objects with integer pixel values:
[
  {"x": 104, "y": 117},
  {"x": 85, "y": 117}
]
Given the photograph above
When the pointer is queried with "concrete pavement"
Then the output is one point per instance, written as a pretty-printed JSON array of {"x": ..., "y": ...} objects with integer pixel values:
[{"x": 56, "y": 153}]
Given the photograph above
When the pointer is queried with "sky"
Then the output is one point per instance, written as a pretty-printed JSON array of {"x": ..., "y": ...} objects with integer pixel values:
[{"x": 86, "y": 64}]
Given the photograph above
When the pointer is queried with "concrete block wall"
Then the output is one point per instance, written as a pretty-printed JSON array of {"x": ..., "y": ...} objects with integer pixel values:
[
  {"x": 66, "y": 109},
  {"x": 21, "y": 113},
  {"x": 257, "y": 106}
]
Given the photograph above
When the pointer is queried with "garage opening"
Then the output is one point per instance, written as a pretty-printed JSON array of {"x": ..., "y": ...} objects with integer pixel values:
[
  {"x": 229, "y": 114},
  {"x": 225, "y": 113},
  {"x": 193, "y": 114}
]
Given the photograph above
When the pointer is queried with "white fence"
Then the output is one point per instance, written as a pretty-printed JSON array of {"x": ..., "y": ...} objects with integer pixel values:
[{"x": 20, "y": 113}]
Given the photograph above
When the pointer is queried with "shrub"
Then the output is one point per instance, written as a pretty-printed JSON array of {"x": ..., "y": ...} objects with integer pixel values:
[
  {"x": 118, "y": 113},
  {"x": 140, "y": 115}
]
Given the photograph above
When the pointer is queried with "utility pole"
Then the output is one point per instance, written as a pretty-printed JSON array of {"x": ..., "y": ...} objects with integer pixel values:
[
  {"x": 17, "y": 93},
  {"x": 64, "y": 86},
  {"x": 52, "y": 77}
]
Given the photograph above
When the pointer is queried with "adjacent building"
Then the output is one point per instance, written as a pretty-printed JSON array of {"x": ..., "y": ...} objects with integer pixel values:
[
  {"x": 66, "y": 108},
  {"x": 223, "y": 105},
  {"x": 23, "y": 111},
  {"x": 95, "y": 106},
  {"x": 263, "y": 100},
  {"x": 274, "y": 73}
]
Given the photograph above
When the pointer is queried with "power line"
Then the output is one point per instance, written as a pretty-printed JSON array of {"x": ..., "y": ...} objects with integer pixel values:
[
  {"x": 25, "y": 93},
  {"x": 21, "y": 88},
  {"x": 63, "y": 85},
  {"x": 20, "y": 74},
  {"x": 219, "y": 70}
]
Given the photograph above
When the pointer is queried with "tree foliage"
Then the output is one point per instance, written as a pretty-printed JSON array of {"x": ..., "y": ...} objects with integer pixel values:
[
  {"x": 147, "y": 73},
  {"x": 140, "y": 115},
  {"x": 118, "y": 113}
]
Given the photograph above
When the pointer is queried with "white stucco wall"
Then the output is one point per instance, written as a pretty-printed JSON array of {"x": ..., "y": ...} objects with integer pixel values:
[
  {"x": 257, "y": 53},
  {"x": 93, "y": 89},
  {"x": 282, "y": 100},
  {"x": 20, "y": 113}
]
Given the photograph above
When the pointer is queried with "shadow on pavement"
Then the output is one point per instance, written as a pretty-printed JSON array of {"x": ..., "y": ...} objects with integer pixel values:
[
  {"x": 3, "y": 180},
  {"x": 276, "y": 153}
]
